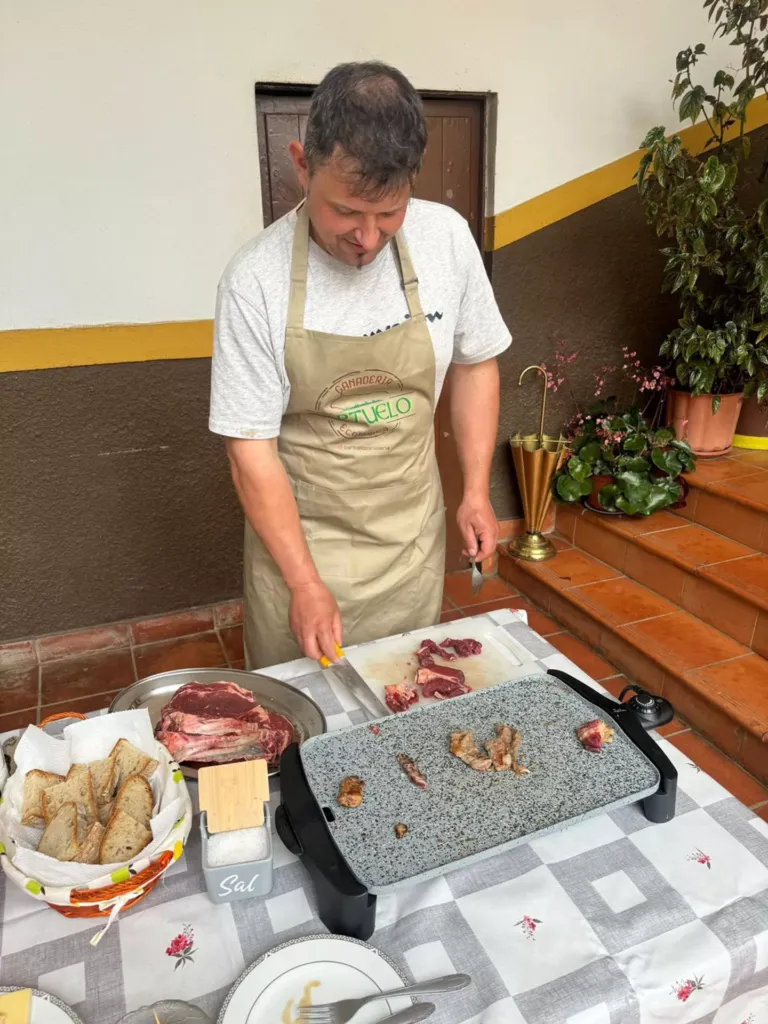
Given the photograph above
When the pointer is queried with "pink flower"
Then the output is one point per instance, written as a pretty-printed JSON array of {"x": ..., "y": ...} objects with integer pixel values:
[
  {"x": 182, "y": 946},
  {"x": 684, "y": 990},
  {"x": 528, "y": 924}
]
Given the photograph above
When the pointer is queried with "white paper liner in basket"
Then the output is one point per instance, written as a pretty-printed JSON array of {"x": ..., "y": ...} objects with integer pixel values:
[{"x": 51, "y": 880}]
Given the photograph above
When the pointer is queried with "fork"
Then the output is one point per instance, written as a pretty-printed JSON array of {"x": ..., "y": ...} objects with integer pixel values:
[
  {"x": 343, "y": 1011},
  {"x": 477, "y": 578}
]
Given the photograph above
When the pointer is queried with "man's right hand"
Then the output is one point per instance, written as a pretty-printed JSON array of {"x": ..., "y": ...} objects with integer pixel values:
[{"x": 315, "y": 620}]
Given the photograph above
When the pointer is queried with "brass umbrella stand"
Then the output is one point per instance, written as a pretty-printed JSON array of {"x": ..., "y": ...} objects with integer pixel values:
[{"x": 537, "y": 458}]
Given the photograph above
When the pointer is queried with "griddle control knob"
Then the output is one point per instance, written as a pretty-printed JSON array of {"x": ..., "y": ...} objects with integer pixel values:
[{"x": 651, "y": 711}]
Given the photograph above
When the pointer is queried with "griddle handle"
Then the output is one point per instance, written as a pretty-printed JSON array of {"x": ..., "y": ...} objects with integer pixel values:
[
  {"x": 660, "y": 806},
  {"x": 344, "y": 905}
]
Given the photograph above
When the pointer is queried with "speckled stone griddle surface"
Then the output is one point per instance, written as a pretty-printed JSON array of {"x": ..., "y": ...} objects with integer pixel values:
[{"x": 465, "y": 815}]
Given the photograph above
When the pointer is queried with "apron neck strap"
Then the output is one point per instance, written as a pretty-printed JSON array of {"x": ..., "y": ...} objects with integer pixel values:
[
  {"x": 299, "y": 262},
  {"x": 408, "y": 275}
]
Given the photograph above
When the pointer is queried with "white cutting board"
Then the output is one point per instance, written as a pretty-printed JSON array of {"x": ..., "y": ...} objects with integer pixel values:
[{"x": 393, "y": 659}]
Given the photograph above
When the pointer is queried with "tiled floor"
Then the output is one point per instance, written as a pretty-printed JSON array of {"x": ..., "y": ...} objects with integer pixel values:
[{"x": 82, "y": 671}]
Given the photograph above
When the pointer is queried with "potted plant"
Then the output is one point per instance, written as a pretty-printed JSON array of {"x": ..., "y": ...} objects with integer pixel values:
[
  {"x": 620, "y": 464},
  {"x": 716, "y": 259}
]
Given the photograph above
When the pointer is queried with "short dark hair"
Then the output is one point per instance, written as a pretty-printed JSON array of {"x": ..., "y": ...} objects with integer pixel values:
[{"x": 372, "y": 113}]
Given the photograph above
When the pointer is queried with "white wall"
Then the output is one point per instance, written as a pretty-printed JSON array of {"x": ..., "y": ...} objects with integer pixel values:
[{"x": 128, "y": 153}]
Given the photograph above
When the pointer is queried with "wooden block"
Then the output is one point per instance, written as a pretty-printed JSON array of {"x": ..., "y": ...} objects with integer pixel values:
[{"x": 233, "y": 794}]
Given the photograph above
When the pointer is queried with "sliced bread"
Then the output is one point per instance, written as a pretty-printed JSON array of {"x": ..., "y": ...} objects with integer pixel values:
[
  {"x": 104, "y": 774},
  {"x": 135, "y": 798},
  {"x": 105, "y": 812},
  {"x": 124, "y": 838},
  {"x": 59, "y": 840},
  {"x": 132, "y": 761},
  {"x": 77, "y": 790},
  {"x": 35, "y": 783},
  {"x": 91, "y": 845}
]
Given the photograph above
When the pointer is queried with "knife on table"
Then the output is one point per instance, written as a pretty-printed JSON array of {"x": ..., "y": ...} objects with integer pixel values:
[{"x": 349, "y": 677}]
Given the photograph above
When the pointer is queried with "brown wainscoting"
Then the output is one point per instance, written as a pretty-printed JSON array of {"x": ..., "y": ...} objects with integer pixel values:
[{"x": 116, "y": 500}]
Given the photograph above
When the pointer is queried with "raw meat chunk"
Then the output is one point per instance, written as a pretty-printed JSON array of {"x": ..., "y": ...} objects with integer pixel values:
[
  {"x": 594, "y": 734},
  {"x": 400, "y": 696},
  {"x": 215, "y": 722},
  {"x": 429, "y": 650},
  {"x": 441, "y": 681},
  {"x": 464, "y": 648}
]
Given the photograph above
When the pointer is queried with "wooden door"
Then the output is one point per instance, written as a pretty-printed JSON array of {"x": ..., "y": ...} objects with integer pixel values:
[{"x": 452, "y": 173}]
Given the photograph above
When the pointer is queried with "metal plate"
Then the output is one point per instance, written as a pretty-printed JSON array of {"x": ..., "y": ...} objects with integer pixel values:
[{"x": 154, "y": 692}]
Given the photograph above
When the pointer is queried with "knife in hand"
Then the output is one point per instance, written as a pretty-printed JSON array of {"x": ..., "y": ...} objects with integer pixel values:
[{"x": 350, "y": 678}]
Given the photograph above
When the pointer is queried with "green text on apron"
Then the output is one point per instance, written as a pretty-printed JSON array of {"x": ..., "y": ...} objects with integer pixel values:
[{"x": 357, "y": 442}]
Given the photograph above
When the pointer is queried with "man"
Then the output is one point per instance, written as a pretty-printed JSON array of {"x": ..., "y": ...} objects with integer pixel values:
[{"x": 335, "y": 329}]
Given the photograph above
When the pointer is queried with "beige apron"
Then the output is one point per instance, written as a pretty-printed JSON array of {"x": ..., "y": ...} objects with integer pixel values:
[{"x": 357, "y": 442}]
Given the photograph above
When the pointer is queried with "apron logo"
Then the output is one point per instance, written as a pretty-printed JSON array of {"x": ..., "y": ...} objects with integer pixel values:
[{"x": 365, "y": 403}]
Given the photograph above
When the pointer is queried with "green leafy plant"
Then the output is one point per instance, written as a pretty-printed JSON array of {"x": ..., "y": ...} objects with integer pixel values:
[
  {"x": 642, "y": 463},
  {"x": 717, "y": 259}
]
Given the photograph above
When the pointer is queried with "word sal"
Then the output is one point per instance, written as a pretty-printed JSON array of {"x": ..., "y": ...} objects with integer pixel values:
[{"x": 232, "y": 884}]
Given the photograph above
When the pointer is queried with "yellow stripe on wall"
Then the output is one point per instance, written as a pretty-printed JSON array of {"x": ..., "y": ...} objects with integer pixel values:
[
  {"x": 136, "y": 343},
  {"x": 119, "y": 343},
  {"x": 541, "y": 211}
]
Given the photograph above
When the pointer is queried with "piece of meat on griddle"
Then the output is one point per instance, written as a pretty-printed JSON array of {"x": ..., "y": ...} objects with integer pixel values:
[
  {"x": 464, "y": 648},
  {"x": 441, "y": 681},
  {"x": 594, "y": 734},
  {"x": 401, "y": 831},
  {"x": 411, "y": 769},
  {"x": 351, "y": 791},
  {"x": 400, "y": 696},
  {"x": 464, "y": 747},
  {"x": 503, "y": 750}
]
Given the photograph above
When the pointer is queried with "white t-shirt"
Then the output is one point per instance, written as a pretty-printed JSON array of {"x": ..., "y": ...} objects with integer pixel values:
[{"x": 249, "y": 386}]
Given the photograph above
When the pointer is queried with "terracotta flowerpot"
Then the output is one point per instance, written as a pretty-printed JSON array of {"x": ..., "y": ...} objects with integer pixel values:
[
  {"x": 684, "y": 487},
  {"x": 598, "y": 482},
  {"x": 709, "y": 434},
  {"x": 752, "y": 428}
]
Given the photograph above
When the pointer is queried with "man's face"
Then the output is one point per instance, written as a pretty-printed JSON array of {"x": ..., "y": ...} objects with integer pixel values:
[{"x": 350, "y": 228}]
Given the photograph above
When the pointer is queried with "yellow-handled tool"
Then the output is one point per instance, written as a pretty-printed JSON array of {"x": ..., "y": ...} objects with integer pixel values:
[
  {"x": 326, "y": 662},
  {"x": 351, "y": 679}
]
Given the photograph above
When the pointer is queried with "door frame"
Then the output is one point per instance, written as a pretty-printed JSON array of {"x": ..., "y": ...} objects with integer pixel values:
[{"x": 488, "y": 100}]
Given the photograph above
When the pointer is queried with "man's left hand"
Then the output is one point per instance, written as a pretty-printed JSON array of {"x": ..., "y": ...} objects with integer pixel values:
[{"x": 479, "y": 528}]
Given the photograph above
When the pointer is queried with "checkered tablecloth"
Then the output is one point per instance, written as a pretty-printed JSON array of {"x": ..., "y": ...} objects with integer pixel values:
[{"x": 614, "y": 921}]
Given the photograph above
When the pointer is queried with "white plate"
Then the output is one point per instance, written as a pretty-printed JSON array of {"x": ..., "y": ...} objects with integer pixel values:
[
  {"x": 47, "y": 1009},
  {"x": 269, "y": 990}
]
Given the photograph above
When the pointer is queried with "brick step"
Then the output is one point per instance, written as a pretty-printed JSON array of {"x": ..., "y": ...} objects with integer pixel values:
[
  {"x": 730, "y": 496},
  {"x": 719, "y": 686},
  {"x": 713, "y": 577}
]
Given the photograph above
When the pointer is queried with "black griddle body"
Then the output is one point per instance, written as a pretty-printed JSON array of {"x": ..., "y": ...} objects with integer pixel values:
[{"x": 345, "y": 906}]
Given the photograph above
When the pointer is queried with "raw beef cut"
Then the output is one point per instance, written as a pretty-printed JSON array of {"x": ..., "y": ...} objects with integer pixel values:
[
  {"x": 429, "y": 650},
  {"x": 441, "y": 681},
  {"x": 400, "y": 696},
  {"x": 464, "y": 648},
  {"x": 216, "y": 722}
]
